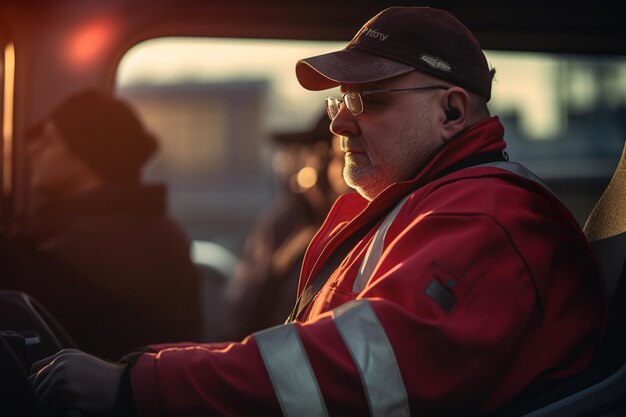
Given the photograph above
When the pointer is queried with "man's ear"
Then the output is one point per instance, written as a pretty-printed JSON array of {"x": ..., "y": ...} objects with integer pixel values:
[
  {"x": 452, "y": 113},
  {"x": 455, "y": 104}
]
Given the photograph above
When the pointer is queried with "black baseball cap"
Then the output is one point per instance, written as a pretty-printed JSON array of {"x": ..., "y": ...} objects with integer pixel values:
[
  {"x": 102, "y": 130},
  {"x": 399, "y": 40}
]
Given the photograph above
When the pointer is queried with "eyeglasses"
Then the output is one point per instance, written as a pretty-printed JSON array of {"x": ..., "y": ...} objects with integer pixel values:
[{"x": 354, "y": 99}]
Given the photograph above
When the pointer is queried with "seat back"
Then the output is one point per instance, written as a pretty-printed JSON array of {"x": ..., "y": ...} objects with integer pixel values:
[
  {"x": 606, "y": 231},
  {"x": 606, "y": 228}
]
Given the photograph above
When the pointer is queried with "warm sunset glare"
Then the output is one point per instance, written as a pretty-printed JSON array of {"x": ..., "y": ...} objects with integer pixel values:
[{"x": 89, "y": 41}]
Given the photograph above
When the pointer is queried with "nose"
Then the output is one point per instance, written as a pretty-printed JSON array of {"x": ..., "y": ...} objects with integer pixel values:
[{"x": 344, "y": 124}]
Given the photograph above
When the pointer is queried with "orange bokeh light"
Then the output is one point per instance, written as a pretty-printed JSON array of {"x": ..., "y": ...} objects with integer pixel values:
[{"x": 89, "y": 42}]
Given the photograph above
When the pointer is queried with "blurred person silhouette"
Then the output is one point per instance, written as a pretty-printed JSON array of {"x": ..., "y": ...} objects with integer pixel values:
[
  {"x": 99, "y": 251},
  {"x": 309, "y": 169}
]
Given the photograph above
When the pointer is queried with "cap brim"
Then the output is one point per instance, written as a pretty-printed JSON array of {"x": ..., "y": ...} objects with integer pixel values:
[{"x": 347, "y": 66}]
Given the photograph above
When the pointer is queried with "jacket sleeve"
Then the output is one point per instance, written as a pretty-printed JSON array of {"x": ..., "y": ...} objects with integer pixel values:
[{"x": 450, "y": 323}]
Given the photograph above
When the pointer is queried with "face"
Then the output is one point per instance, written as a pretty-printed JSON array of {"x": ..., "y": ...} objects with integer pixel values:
[
  {"x": 55, "y": 170},
  {"x": 395, "y": 134}
]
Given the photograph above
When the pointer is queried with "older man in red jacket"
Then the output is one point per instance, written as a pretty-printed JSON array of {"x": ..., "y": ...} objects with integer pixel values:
[{"x": 452, "y": 281}]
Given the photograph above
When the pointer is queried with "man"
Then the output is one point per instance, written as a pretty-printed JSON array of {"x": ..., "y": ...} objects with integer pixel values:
[
  {"x": 100, "y": 251},
  {"x": 461, "y": 283}
]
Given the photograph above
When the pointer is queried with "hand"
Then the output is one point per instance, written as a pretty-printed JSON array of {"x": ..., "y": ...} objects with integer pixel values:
[{"x": 74, "y": 380}]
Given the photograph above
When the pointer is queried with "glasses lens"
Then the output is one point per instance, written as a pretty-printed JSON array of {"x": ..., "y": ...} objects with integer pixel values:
[
  {"x": 332, "y": 107},
  {"x": 353, "y": 102}
]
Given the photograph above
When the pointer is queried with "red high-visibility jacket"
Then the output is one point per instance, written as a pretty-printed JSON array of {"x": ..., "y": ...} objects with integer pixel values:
[{"x": 481, "y": 285}]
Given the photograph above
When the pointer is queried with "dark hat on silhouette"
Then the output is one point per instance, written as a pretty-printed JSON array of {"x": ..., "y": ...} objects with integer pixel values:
[
  {"x": 103, "y": 131},
  {"x": 319, "y": 132},
  {"x": 399, "y": 40}
]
